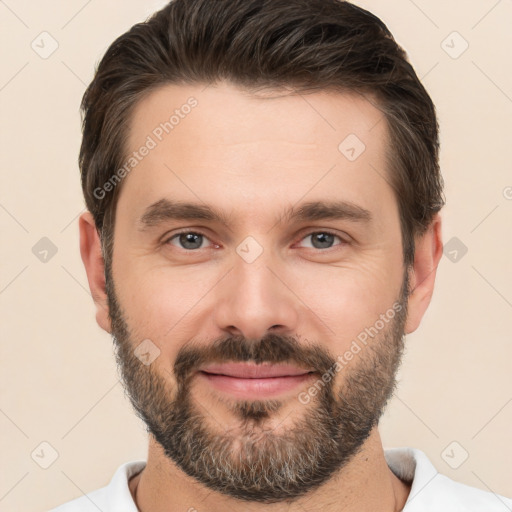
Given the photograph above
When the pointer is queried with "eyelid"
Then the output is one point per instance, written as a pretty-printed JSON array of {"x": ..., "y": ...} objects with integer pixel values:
[
  {"x": 167, "y": 237},
  {"x": 345, "y": 239}
]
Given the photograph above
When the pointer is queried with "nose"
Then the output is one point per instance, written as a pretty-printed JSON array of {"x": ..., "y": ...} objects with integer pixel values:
[{"x": 256, "y": 299}]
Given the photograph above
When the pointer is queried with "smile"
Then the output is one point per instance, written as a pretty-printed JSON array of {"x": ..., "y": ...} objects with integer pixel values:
[{"x": 252, "y": 381}]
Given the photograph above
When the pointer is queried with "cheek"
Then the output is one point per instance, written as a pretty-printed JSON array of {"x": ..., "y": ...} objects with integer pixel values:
[
  {"x": 162, "y": 304},
  {"x": 349, "y": 299},
  {"x": 335, "y": 302}
]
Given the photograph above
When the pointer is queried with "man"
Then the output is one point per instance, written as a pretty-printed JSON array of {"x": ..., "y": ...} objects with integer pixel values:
[{"x": 263, "y": 189}]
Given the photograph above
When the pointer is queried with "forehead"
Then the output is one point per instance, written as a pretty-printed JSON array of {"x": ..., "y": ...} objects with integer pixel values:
[
  {"x": 227, "y": 147},
  {"x": 212, "y": 111}
]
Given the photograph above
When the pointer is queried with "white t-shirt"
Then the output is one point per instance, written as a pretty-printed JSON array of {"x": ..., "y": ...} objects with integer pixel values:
[{"x": 430, "y": 491}]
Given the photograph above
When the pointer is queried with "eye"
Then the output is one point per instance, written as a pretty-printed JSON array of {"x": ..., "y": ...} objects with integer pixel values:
[
  {"x": 323, "y": 239},
  {"x": 192, "y": 240},
  {"x": 188, "y": 240}
]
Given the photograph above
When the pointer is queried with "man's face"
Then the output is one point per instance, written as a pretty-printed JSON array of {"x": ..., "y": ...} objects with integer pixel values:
[{"x": 259, "y": 286}]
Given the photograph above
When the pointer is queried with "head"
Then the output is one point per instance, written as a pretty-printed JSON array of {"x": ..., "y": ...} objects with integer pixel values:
[{"x": 284, "y": 121}]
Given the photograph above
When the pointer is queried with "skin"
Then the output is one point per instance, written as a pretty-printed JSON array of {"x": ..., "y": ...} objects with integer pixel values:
[{"x": 252, "y": 157}]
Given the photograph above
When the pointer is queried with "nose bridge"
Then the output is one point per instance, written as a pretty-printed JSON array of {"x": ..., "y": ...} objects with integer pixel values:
[{"x": 255, "y": 297}]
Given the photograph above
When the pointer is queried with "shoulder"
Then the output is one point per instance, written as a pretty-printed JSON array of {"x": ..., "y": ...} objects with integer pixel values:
[
  {"x": 431, "y": 491},
  {"x": 115, "y": 497},
  {"x": 461, "y": 497}
]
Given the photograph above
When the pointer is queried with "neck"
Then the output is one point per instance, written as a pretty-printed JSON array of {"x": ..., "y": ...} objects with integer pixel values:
[{"x": 365, "y": 484}]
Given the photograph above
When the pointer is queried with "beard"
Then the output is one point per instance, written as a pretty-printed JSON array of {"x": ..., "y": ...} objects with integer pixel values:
[{"x": 252, "y": 461}]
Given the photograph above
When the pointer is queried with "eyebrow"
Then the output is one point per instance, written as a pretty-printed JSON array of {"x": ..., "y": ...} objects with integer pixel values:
[{"x": 166, "y": 209}]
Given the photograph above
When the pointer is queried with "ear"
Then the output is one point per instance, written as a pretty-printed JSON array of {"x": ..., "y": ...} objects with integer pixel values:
[
  {"x": 427, "y": 253},
  {"x": 90, "y": 249}
]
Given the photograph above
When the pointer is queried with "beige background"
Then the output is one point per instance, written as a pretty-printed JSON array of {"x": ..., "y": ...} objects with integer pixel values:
[{"x": 58, "y": 376}]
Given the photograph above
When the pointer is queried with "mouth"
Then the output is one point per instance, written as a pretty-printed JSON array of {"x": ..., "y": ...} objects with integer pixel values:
[{"x": 254, "y": 381}]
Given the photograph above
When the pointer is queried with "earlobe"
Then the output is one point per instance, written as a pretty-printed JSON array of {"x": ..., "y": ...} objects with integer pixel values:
[
  {"x": 427, "y": 254},
  {"x": 90, "y": 250}
]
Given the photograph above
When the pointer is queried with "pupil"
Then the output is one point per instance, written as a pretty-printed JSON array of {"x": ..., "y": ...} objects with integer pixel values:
[
  {"x": 324, "y": 240},
  {"x": 189, "y": 239}
]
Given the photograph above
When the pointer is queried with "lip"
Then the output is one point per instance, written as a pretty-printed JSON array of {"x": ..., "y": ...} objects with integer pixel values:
[
  {"x": 254, "y": 381},
  {"x": 254, "y": 371}
]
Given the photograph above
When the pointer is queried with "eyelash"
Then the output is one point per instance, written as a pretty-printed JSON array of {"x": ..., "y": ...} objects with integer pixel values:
[{"x": 324, "y": 232}]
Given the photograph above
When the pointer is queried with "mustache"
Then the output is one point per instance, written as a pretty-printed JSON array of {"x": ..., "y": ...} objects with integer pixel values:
[{"x": 272, "y": 348}]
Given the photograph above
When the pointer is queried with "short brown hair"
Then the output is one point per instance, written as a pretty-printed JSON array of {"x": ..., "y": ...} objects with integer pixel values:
[{"x": 308, "y": 45}]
